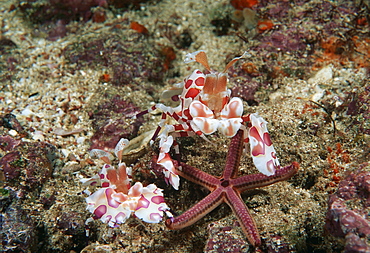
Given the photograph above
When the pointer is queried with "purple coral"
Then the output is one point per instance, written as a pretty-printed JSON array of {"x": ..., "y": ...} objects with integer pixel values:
[
  {"x": 66, "y": 10},
  {"x": 53, "y": 15},
  {"x": 8, "y": 143},
  {"x": 130, "y": 61},
  {"x": 221, "y": 239},
  {"x": 342, "y": 221},
  {"x": 246, "y": 90},
  {"x": 11, "y": 165},
  {"x": 75, "y": 8},
  {"x": 290, "y": 40},
  {"x": 18, "y": 229},
  {"x": 358, "y": 104},
  {"x": 71, "y": 223},
  {"x": 345, "y": 222},
  {"x": 29, "y": 165},
  {"x": 113, "y": 121}
]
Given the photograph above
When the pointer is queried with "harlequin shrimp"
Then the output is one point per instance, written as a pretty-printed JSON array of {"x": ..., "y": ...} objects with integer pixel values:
[
  {"x": 206, "y": 107},
  {"x": 116, "y": 199}
]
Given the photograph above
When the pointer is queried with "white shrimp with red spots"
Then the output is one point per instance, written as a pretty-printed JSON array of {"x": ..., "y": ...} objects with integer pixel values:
[
  {"x": 116, "y": 200},
  {"x": 206, "y": 107}
]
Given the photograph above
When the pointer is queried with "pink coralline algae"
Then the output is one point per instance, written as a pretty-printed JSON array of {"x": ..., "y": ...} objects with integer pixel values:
[
  {"x": 290, "y": 40},
  {"x": 130, "y": 62},
  {"x": 358, "y": 106},
  {"x": 18, "y": 229},
  {"x": 246, "y": 92},
  {"x": 297, "y": 43},
  {"x": 244, "y": 81},
  {"x": 52, "y": 16},
  {"x": 11, "y": 165},
  {"x": 29, "y": 165},
  {"x": 76, "y": 8},
  {"x": 112, "y": 121},
  {"x": 66, "y": 10},
  {"x": 25, "y": 165},
  {"x": 222, "y": 239},
  {"x": 350, "y": 223}
]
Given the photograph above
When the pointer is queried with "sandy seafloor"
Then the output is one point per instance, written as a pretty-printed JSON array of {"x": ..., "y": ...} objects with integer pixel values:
[{"x": 47, "y": 91}]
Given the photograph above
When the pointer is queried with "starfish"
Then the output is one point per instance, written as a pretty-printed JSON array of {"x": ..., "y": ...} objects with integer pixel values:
[{"x": 227, "y": 188}]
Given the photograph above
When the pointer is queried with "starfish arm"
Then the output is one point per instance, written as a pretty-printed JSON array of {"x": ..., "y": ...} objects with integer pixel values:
[
  {"x": 197, "y": 212},
  {"x": 197, "y": 176},
  {"x": 246, "y": 221},
  {"x": 253, "y": 181},
  {"x": 233, "y": 156}
]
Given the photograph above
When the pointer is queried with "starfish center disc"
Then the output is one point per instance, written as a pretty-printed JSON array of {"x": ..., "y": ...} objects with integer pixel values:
[{"x": 225, "y": 183}]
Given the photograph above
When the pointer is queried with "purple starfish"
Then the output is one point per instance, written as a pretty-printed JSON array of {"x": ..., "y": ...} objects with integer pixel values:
[{"x": 228, "y": 189}]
